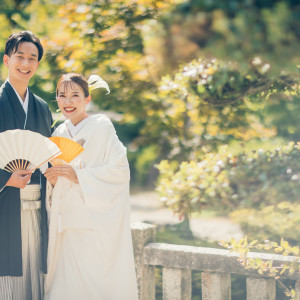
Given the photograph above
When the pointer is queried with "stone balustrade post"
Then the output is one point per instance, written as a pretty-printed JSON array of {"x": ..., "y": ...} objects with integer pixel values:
[
  {"x": 216, "y": 286},
  {"x": 143, "y": 234},
  {"x": 177, "y": 284},
  {"x": 259, "y": 288},
  {"x": 297, "y": 289}
]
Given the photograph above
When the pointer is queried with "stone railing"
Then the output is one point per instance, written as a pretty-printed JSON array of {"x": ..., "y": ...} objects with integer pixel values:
[{"x": 216, "y": 266}]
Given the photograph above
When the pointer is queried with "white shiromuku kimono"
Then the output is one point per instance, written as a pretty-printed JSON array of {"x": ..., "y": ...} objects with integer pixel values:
[{"x": 90, "y": 253}]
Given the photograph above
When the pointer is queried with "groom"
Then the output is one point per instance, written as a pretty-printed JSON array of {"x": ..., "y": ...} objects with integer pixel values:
[{"x": 23, "y": 219}]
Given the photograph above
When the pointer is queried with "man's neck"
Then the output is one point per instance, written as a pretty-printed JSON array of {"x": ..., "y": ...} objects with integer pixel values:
[{"x": 20, "y": 87}]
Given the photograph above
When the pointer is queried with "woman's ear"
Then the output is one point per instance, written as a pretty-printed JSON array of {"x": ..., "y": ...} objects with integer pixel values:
[{"x": 88, "y": 99}]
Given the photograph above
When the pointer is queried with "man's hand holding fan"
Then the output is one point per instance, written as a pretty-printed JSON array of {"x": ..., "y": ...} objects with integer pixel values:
[
  {"x": 19, "y": 179},
  {"x": 23, "y": 151}
]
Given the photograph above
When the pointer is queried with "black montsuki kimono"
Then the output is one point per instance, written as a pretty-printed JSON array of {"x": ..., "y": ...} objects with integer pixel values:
[{"x": 39, "y": 119}]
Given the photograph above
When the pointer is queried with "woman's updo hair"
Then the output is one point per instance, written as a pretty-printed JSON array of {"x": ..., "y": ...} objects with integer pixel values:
[{"x": 69, "y": 79}]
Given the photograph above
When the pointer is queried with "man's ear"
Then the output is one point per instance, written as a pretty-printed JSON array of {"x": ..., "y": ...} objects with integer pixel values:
[{"x": 5, "y": 60}]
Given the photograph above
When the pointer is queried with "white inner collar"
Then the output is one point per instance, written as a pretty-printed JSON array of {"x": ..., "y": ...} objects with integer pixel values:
[
  {"x": 25, "y": 102},
  {"x": 74, "y": 129}
]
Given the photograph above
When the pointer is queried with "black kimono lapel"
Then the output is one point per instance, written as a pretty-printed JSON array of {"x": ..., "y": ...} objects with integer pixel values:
[
  {"x": 39, "y": 119},
  {"x": 14, "y": 117}
]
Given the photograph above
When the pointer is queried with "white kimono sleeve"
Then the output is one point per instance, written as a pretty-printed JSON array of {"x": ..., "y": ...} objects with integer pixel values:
[{"x": 105, "y": 184}]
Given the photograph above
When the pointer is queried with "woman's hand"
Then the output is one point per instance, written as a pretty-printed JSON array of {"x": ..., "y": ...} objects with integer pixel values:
[
  {"x": 51, "y": 176},
  {"x": 65, "y": 171}
]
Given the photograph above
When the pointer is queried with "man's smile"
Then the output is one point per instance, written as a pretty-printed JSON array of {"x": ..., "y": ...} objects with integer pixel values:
[{"x": 23, "y": 71}]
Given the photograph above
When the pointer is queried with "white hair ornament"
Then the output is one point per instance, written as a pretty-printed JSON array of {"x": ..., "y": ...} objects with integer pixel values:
[{"x": 95, "y": 82}]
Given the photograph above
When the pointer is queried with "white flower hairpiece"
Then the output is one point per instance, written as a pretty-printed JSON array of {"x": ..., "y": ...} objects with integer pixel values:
[{"x": 96, "y": 82}]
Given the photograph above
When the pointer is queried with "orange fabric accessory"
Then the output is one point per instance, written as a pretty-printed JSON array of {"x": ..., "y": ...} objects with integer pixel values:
[{"x": 69, "y": 150}]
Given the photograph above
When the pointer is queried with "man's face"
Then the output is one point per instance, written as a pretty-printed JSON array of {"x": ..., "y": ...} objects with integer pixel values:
[{"x": 23, "y": 63}]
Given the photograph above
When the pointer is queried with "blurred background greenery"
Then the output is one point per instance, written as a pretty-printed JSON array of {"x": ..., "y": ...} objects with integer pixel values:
[{"x": 187, "y": 78}]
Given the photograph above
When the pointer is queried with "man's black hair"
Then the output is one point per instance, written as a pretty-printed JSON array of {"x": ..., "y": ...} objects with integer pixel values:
[{"x": 15, "y": 39}]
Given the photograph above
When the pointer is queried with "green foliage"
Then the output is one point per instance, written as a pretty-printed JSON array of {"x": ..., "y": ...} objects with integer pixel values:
[
  {"x": 105, "y": 38},
  {"x": 209, "y": 103},
  {"x": 284, "y": 115},
  {"x": 271, "y": 222},
  {"x": 265, "y": 267},
  {"x": 226, "y": 182},
  {"x": 131, "y": 44},
  {"x": 144, "y": 162},
  {"x": 235, "y": 30},
  {"x": 90, "y": 37}
]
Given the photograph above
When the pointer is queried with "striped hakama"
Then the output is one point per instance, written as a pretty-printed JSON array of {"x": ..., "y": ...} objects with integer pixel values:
[{"x": 30, "y": 285}]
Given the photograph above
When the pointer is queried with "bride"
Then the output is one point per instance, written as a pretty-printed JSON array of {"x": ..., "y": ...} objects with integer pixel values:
[{"x": 90, "y": 253}]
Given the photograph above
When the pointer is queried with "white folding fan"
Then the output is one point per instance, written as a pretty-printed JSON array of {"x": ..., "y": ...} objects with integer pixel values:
[{"x": 24, "y": 149}]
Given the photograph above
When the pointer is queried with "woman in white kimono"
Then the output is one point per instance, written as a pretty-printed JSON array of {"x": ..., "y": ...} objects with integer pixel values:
[{"x": 90, "y": 253}]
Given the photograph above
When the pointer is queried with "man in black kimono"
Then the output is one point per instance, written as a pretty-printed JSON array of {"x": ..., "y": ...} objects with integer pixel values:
[{"x": 23, "y": 219}]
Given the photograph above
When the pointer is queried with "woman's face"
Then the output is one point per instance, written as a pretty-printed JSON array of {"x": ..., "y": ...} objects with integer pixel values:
[{"x": 72, "y": 102}]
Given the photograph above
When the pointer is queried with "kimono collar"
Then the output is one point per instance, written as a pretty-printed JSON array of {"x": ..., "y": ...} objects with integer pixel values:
[
  {"x": 74, "y": 129},
  {"x": 23, "y": 103}
]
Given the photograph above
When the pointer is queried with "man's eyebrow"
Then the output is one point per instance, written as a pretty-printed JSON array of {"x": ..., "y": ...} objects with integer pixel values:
[{"x": 32, "y": 54}]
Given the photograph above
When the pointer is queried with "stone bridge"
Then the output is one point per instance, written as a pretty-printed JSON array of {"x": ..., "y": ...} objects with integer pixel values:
[{"x": 216, "y": 265}]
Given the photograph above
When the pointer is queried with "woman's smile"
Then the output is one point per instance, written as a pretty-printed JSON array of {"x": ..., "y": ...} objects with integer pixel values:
[{"x": 69, "y": 109}]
